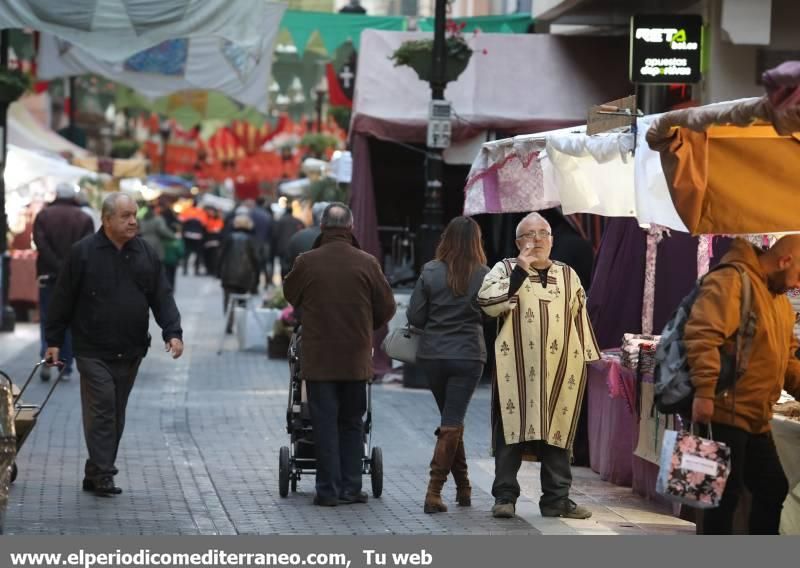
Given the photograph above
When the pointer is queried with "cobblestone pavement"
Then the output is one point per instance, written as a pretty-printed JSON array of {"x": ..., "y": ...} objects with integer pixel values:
[{"x": 200, "y": 455}]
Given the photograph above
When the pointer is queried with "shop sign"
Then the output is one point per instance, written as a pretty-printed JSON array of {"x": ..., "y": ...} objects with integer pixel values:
[{"x": 666, "y": 49}]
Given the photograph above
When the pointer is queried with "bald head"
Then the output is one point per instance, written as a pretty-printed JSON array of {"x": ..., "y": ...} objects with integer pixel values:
[
  {"x": 119, "y": 218},
  {"x": 786, "y": 246},
  {"x": 782, "y": 264}
]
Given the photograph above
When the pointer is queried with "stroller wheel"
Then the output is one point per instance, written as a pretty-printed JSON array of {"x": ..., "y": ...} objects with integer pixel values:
[
  {"x": 13, "y": 474},
  {"x": 376, "y": 472},
  {"x": 294, "y": 484},
  {"x": 283, "y": 472}
]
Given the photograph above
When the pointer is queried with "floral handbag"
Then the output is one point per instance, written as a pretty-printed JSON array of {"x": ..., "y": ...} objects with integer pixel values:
[{"x": 694, "y": 470}]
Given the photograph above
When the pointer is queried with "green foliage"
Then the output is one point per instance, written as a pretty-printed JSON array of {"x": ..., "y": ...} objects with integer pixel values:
[
  {"x": 341, "y": 115},
  {"x": 318, "y": 144},
  {"x": 124, "y": 148},
  {"x": 277, "y": 301},
  {"x": 418, "y": 55},
  {"x": 327, "y": 189},
  {"x": 13, "y": 83}
]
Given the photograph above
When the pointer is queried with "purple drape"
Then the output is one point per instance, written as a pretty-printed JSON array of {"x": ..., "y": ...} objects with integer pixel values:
[
  {"x": 362, "y": 198},
  {"x": 615, "y": 300}
]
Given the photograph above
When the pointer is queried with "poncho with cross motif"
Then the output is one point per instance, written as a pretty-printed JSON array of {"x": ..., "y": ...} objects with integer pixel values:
[{"x": 543, "y": 344}]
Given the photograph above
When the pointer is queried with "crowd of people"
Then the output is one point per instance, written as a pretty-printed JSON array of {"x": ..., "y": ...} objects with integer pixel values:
[{"x": 100, "y": 286}]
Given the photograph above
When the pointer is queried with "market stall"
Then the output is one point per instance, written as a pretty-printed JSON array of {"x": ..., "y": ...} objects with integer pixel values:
[
  {"x": 391, "y": 103},
  {"x": 30, "y": 180},
  {"x": 601, "y": 175}
]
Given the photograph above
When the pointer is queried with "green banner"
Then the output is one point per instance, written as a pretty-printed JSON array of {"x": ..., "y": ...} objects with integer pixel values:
[
  {"x": 335, "y": 29},
  {"x": 510, "y": 24}
]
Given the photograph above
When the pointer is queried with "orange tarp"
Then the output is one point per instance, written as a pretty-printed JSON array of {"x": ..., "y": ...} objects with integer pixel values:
[{"x": 732, "y": 180}]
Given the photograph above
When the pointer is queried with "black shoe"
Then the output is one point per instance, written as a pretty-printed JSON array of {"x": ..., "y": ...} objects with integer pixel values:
[
  {"x": 103, "y": 486},
  {"x": 325, "y": 501},
  {"x": 353, "y": 498}
]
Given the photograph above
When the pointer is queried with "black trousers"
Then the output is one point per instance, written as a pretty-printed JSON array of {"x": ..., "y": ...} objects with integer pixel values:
[
  {"x": 453, "y": 383},
  {"x": 171, "y": 270},
  {"x": 226, "y": 293},
  {"x": 105, "y": 388},
  {"x": 337, "y": 417},
  {"x": 755, "y": 465},
  {"x": 193, "y": 247},
  {"x": 556, "y": 475}
]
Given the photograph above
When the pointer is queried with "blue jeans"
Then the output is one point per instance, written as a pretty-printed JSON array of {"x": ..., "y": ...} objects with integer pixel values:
[{"x": 45, "y": 292}]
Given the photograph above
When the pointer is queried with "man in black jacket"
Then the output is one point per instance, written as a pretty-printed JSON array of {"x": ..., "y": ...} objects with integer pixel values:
[
  {"x": 239, "y": 264},
  {"x": 56, "y": 228},
  {"x": 104, "y": 292}
]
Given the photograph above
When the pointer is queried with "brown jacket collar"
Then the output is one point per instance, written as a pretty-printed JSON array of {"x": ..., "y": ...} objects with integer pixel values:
[{"x": 336, "y": 235}]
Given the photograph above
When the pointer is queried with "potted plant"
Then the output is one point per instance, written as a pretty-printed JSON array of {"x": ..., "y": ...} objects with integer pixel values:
[
  {"x": 124, "y": 148},
  {"x": 318, "y": 144},
  {"x": 13, "y": 83},
  {"x": 418, "y": 54}
]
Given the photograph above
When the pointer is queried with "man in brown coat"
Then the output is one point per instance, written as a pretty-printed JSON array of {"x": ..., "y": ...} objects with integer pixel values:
[
  {"x": 741, "y": 416},
  {"x": 342, "y": 296}
]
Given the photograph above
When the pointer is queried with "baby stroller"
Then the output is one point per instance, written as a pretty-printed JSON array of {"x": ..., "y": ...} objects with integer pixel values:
[
  {"x": 26, "y": 415},
  {"x": 298, "y": 458}
]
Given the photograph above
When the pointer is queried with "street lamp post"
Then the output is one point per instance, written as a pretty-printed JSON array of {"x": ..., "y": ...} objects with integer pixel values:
[
  {"x": 164, "y": 130},
  {"x": 321, "y": 91},
  {"x": 7, "y": 318},
  {"x": 433, "y": 213}
]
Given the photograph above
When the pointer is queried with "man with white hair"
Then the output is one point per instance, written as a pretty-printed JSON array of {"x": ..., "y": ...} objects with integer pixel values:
[
  {"x": 543, "y": 344},
  {"x": 104, "y": 293},
  {"x": 56, "y": 228}
]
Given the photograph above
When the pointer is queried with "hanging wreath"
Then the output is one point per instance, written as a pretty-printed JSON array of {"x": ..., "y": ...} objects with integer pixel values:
[{"x": 418, "y": 54}]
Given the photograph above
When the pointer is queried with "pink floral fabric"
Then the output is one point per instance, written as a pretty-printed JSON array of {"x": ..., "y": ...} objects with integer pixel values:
[
  {"x": 694, "y": 470},
  {"x": 654, "y": 236},
  {"x": 512, "y": 183}
]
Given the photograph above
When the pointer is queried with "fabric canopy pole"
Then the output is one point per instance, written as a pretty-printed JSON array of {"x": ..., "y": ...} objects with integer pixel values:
[
  {"x": 362, "y": 200},
  {"x": 335, "y": 29}
]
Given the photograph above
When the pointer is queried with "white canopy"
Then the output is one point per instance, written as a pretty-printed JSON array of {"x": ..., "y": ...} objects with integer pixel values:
[
  {"x": 580, "y": 173},
  {"x": 510, "y": 79},
  {"x": 200, "y": 63},
  {"x": 23, "y": 167},
  {"x": 26, "y": 132},
  {"x": 113, "y": 30}
]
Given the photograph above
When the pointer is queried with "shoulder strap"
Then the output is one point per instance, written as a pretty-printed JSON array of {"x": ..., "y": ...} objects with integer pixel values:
[
  {"x": 509, "y": 268},
  {"x": 747, "y": 322},
  {"x": 747, "y": 319}
]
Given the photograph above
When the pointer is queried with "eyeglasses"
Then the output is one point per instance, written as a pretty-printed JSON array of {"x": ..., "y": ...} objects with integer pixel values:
[{"x": 541, "y": 234}]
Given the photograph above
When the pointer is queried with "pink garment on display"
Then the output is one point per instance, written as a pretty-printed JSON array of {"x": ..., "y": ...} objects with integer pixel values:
[
  {"x": 512, "y": 185},
  {"x": 655, "y": 235}
]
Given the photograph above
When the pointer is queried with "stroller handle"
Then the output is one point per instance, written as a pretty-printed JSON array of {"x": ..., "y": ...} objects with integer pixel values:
[{"x": 59, "y": 364}]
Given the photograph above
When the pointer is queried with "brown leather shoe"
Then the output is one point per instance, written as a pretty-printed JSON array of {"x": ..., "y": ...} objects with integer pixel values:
[
  {"x": 441, "y": 464},
  {"x": 459, "y": 471}
]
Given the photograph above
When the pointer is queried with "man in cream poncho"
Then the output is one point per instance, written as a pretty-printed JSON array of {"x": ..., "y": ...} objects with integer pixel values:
[{"x": 544, "y": 342}]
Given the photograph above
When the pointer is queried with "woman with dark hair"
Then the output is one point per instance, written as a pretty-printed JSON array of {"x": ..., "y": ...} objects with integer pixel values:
[{"x": 452, "y": 350}]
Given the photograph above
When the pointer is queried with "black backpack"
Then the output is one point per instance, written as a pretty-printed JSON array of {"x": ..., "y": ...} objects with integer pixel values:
[{"x": 674, "y": 392}]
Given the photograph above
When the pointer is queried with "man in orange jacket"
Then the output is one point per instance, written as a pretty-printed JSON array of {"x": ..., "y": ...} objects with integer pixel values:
[
  {"x": 194, "y": 220},
  {"x": 741, "y": 417}
]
